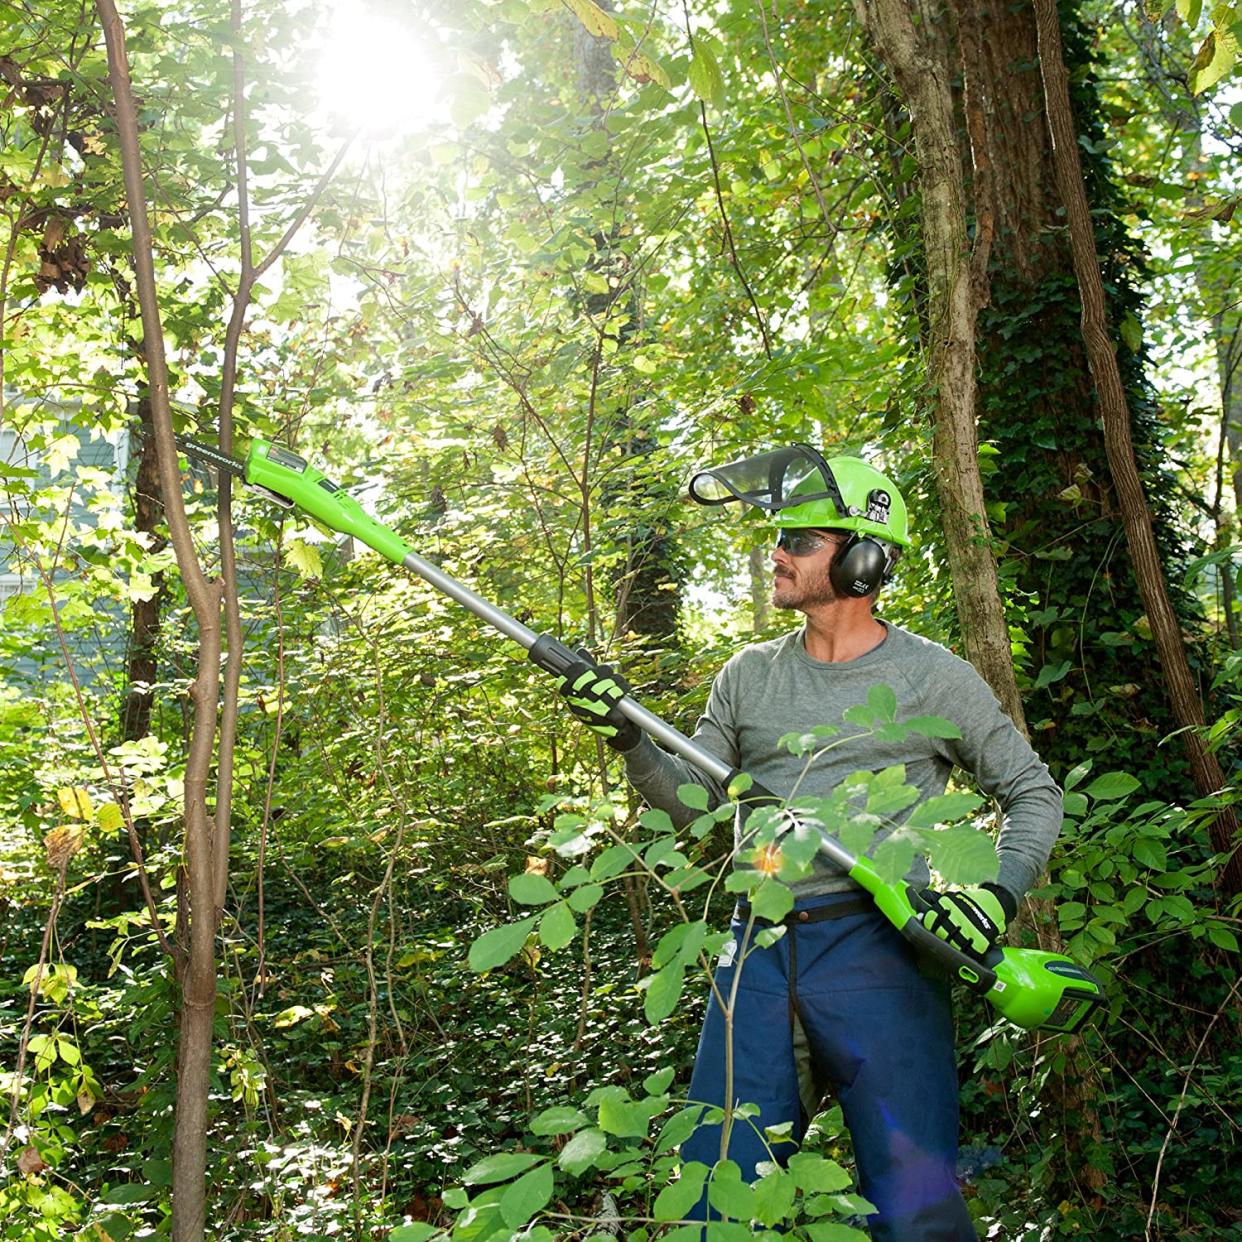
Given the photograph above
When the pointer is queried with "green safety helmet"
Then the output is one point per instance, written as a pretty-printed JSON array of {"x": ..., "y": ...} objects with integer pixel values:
[{"x": 800, "y": 488}]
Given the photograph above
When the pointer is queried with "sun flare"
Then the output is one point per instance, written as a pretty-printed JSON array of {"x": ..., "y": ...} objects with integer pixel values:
[{"x": 377, "y": 75}]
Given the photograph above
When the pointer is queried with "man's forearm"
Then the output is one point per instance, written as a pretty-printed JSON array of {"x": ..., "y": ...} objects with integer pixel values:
[
  {"x": 1031, "y": 824},
  {"x": 657, "y": 775}
]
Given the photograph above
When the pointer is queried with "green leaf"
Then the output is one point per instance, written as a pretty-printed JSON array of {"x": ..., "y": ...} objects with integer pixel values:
[
  {"x": 469, "y": 98},
  {"x": 728, "y": 1194},
  {"x": 129, "y": 1192},
  {"x": 109, "y": 817},
  {"x": 677, "y": 1198},
  {"x": 693, "y": 796},
  {"x": 593, "y": 18},
  {"x": 1077, "y": 774},
  {"x": 500, "y": 1167},
  {"x": 943, "y": 809},
  {"x": 670, "y": 945},
  {"x": 657, "y": 820},
  {"x": 814, "y": 1173},
  {"x": 1215, "y": 58},
  {"x": 420, "y": 1231},
  {"x": 663, "y": 992},
  {"x": 581, "y": 1152},
  {"x": 614, "y": 860},
  {"x": 1189, "y": 11},
  {"x": 585, "y": 898},
  {"x": 497, "y": 946},
  {"x": 627, "y": 1118},
  {"x": 888, "y": 799},
  {"x": 526, "y": 1196},
  {"x": 1151, "y": 853},
  {"x": 657, "y": 1083},
  {"x": 774, "y": 1196},
  {"x": 305, "y": 558},
  {"x": 706, "y": 80},
  {"x": 772, "y": 900},
  {"x": 157, "y": 1172},
  {"x": 559, "y": 1119},
  {"x": 962, "y": 854},
  {"x": 532, "y": 889},
  {"x": 1052, "y": 672},
  {"x": 1111, "y": 786},
  {"x": 833, "y": 1231},
  {"x": 1131, "y": 332},
  {"x": 1074, "y": 804},
  {"x": 883, "y": 702},
  {"x": 893, "y": 857},
  {"x": 859, "y": 715},
  {"x": 558, "y": 926},
  {"x": 678, "y": 1128}
]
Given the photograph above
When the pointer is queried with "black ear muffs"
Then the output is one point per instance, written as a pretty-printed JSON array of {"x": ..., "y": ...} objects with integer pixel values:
[
  {"x": 863, "y": 564},
  {"x": 859, "y": 567}
]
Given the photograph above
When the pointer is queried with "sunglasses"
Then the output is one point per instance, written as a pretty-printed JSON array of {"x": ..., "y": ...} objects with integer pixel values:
[{"x": 803, "y": 542}]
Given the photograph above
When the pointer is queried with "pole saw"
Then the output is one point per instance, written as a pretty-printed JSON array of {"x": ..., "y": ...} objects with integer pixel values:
[{"x": 1032, "y": 988}]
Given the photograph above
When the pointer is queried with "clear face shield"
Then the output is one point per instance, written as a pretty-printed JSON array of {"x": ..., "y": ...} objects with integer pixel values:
[{"x": 776, "y": 480}]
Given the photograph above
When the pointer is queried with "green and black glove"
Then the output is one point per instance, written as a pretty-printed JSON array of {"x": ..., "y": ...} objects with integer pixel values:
[
  {"x": 593, "y": 692},
  {"x": 970, "y": 919}
]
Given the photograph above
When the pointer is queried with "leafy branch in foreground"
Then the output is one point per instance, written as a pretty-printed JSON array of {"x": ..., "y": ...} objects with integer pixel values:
[{"x": 513, "y": 1193}]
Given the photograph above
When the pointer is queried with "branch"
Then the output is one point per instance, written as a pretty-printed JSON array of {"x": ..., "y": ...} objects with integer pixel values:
[
  {"x": 1181, "y": 1101},
  {"x": 724, "y": 215}
]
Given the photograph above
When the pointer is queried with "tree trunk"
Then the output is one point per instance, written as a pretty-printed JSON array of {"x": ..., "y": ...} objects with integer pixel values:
[
  {"x": 1072, "y": 590},
  {"x": 1115, "y": 413},
  {"x": 957, "y": 288},
  {"x": 913, "y": 44},
  {"x": 1228, "y": 333},
  {"x": 196, "y": 966},
  {"x": 760, "y": 590}
]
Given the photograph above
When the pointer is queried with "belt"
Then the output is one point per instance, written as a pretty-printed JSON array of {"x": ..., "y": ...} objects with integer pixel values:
[
  {"x": 816, "y": 914},
  {"x": 797, "y": 918}
]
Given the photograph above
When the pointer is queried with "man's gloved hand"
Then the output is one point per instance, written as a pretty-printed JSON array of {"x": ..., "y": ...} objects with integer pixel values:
[
  {"x": 593, "y": 692},
  {"x": 970, "y": 919}
]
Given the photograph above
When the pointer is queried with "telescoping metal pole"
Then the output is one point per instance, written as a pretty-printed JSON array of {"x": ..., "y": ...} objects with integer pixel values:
[{"x": 555, "y": 657}]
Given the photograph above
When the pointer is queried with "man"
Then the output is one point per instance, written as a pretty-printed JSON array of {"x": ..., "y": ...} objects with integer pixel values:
[{"x": 841, "y": 980}]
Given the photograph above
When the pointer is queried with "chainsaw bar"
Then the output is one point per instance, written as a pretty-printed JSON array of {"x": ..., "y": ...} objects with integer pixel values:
[{"x": 211, "y": 456}]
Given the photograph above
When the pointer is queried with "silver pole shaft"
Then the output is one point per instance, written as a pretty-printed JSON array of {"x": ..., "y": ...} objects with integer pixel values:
[
  {"x": 649, "y": 722},
  {"x": 677, "y": 742},
  {"x": 498, "y": 620}
]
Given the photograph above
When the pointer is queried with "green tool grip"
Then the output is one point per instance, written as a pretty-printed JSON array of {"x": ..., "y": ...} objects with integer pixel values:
[
  {"x": 285, "y": 475},
  {"x": 902, "y": 907},
  {"x": 976, "y": 975}
]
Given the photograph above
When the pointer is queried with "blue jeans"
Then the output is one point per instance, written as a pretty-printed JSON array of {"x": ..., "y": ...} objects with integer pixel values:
[{"x": 881, "y": 1037}]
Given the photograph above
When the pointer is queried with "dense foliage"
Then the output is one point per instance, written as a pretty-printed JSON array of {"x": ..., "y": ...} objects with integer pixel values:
[{"x": 460, "y": 968}]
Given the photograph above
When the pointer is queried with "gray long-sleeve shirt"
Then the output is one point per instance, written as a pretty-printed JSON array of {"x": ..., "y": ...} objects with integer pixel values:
[{"x": 775, "y": 688}]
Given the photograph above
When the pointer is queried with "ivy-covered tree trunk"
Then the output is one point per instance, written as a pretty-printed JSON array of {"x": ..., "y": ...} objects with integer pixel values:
[
  {"x": 1102, "y": 358},
  {"x": 1071, "y": 589},
  {"x": 946, "y": 61},
  {"x": 914, "y": 45}
]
